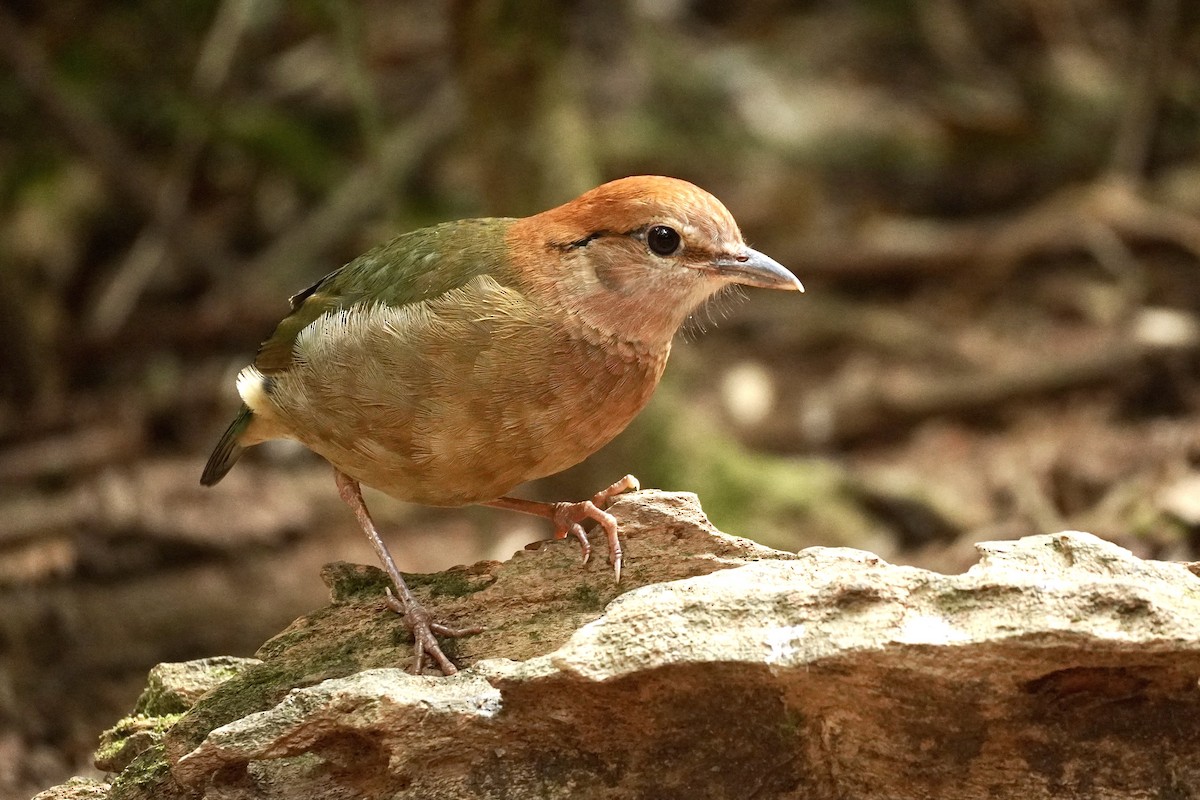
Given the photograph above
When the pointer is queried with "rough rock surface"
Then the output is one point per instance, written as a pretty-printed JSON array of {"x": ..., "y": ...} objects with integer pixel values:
[
  {"x": 171, "y": 689},
  {"x": 1058, "y": 666},
  {"x": 76, "y": 789}
]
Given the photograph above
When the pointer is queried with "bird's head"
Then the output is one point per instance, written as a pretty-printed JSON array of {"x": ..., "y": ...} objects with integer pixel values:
[{"x": 635, "y": 256}]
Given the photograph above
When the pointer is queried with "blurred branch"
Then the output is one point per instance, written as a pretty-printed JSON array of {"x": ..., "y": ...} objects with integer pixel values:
[
  {"x": 71, "y": 453},
  {"x": 881, "y": 407},
  {"x": 363, "y": 191},
  {"x": 772, "y": 322},
  {"x": 1065, "y": 222},
  {"x": 979, "y": 85},
  {"x": 118, "y": 164},
  {"x": 349, "y": 21},
  {"x": 1152, "y": 61},
  {"x": 161, "y": 499},
  {"x": 217, "y": 54},
  {"x": 152, "y": 248},
  {"x": 527, "y": 130},
  {"x": 121, "y": 292}
]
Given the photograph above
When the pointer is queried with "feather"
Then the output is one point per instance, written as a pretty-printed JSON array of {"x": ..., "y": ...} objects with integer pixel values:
[{"x": 228, "y": 450}]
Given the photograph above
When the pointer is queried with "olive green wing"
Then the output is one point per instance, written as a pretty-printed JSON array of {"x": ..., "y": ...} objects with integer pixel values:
[{"x": 413, "y": 267}]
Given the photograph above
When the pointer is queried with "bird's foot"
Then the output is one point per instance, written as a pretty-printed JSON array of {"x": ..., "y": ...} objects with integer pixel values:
[
  {"x": 415, "y": 617},
  {"x": 425, "y": 632},
  {"x": 568, "y": 516}
]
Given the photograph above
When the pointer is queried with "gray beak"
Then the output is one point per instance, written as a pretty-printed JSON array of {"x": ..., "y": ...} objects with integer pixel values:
[{"x": 752, "y": 268}]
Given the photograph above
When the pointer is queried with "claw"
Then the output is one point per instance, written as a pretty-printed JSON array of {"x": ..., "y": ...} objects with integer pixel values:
[
  {"x": 576, "y": 530},
  {"x": 417, "y": 620},
  {"x": 568, "y": 516}
]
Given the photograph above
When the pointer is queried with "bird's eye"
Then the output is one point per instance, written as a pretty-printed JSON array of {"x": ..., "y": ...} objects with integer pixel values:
[{"x": 662, "y": 240}]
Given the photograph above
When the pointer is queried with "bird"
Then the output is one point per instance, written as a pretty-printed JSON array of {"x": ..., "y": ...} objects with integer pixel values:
[{"x": 452, "y": 363}]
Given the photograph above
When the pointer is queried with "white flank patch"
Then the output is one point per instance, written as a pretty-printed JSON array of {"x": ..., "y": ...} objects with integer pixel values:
[{"x": 250, "y": 387}]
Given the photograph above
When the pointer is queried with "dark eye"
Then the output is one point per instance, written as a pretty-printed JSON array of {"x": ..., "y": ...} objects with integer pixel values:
[{"x": 662, "y": 240}]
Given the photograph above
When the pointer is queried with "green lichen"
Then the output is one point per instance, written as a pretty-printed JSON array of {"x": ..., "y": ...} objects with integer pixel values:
[
  {"x": 955, "y": 601},
  {"x": 281, "y": 642},
  {"x": 130, "y": 737},
  {"x": 304, "y": 659},
  {"x": 144, "y": 777},
  {"x": 253, "y": 690},
  {"x": 303, "y": 655},
  {"x": 357, "y": 583},
  {"x": 157, "y": 700},
  {"x": 353, "y": 582},
  {"x": 587, "y": 598},
  {"x": 173, "y": 688},
  {"x": 452, "y": 583}
]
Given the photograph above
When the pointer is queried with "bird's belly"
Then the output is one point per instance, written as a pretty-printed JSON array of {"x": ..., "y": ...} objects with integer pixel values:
[
  {"x": 460, "y": 450},
  {"x": 458, "y": 422},
  {"x": 460, "y": 462}
]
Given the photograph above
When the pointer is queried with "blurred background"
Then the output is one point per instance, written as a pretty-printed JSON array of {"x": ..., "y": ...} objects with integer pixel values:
[{"x": 994, "y": 205}]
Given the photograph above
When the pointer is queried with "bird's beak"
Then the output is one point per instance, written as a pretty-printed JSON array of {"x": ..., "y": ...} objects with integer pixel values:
[{"x": 752, "y": 268}]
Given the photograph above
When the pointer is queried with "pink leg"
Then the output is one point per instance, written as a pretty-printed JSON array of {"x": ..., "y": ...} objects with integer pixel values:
[
  {"x": 568, "y": 516},
  {"x": 415, "y": 617}
]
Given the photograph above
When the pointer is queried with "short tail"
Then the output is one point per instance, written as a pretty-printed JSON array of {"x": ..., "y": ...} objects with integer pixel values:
[{"x": 228, "y": 451}]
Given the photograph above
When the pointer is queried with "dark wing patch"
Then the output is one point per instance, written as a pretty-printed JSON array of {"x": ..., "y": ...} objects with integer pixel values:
[
  {"x": 299, "y": 297},
  {"x": 277, "y": 353}
]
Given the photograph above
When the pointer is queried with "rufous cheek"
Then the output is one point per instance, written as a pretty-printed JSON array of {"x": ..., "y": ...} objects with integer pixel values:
[{"x": 617, "y": 277}]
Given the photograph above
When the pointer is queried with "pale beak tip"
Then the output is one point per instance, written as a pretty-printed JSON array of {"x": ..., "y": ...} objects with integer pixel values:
[{"x": 752, "y": 268}]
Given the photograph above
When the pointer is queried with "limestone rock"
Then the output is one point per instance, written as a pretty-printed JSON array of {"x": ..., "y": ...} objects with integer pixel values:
[
  {"x": 76, "y": 789},
  {"x": 1058, "y": 666},
  {"x": 171, "y": 689}
]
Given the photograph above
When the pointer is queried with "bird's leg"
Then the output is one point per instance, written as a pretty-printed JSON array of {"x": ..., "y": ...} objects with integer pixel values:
[
  {"x": 415, "y": 617},
  {"x": 568, "y": 516}
]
